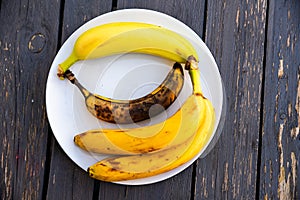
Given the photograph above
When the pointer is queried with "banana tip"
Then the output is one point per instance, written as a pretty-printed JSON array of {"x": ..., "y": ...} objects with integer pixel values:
[
  {"x": 60, "y": 73},
  {"x": 192, "y": 58},
  {"x": 89, "y": 171},
  {"x": 178, "y": 66},
  {"x": 191, "y": 63}
]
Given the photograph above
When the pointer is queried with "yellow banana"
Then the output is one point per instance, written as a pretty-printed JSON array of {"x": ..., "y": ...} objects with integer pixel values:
[
  {"x": 150, "y": 164},
  {"x": 145, "y": 165},
  {"x": 135, "y": 110},
  {"x": 125, "y": 37},
  {"x": 147, "y": 139}
]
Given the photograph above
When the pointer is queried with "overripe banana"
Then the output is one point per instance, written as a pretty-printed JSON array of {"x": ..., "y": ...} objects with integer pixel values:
[
  {"x": 163, "y": 135},
  {"x": 125, "y": 37},
  {"x": 150, "y": 164},
  {"x": 135, "y": 110}
]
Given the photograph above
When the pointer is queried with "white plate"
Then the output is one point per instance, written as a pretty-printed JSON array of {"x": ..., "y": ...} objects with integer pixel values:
[{"x": 138, "y": 75}]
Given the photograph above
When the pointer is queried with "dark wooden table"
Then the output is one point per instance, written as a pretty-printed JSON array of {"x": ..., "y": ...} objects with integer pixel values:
[{"x": 256, "y": 44}]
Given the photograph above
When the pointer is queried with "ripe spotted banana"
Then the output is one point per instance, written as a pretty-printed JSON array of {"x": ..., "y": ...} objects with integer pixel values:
[
  {"x": 149, "y": 164},
  {"x": 144, "y": 165},
  {"x": 147, "y": 139},
  {"x": 135, "y": 110},
  {"x": 125, "y": 37}
]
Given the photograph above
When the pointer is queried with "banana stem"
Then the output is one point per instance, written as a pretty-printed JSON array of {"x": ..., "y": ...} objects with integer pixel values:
[
  {"x": 65, "y": 65},
  {"x": 71, "y": 77},
  {"x": 192, "y": 66},
  {"x": 195, "y": 77}
]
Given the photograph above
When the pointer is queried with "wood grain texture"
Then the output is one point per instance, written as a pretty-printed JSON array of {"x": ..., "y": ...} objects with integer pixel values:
[
  {"x": 235, "y": 34},
  {"x": 63, "y": 172},
  {"x": 280, "y": 170},
  {"x": 177, "y": 187},
  {"x": 27, "y": 31},
  {"x": 190, "y": 12}
]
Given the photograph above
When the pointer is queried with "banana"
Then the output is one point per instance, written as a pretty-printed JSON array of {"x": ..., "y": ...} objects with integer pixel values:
[
  {"x": 149, "y": 164},
  {"x": 145, "y": 165},
  {"x": 147, "y": 139},
  {"x": 125, "y": 37},
  {"x": 135, "y": 110}
]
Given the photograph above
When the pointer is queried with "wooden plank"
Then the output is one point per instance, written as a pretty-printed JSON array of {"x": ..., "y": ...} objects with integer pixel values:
[
  {"x": 235, "y": 33},
  {"x": 26, "y": 48},
  {"x": 66, "y": 177},
  {"x": 179, "y": 186},
  {"x": 190, "y": 12},
  {"x": 64, "y": 174},
  {"x": 279, "y": 170}
]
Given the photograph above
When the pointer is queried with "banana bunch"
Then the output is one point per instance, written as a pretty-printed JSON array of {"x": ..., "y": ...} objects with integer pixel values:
[
  {"x": 150, "y": 150},
  {"x": 145, "y": 165}
]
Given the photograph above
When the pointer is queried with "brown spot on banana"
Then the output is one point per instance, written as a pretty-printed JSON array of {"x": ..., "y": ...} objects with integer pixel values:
[{"x": 129, "y": 111}]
